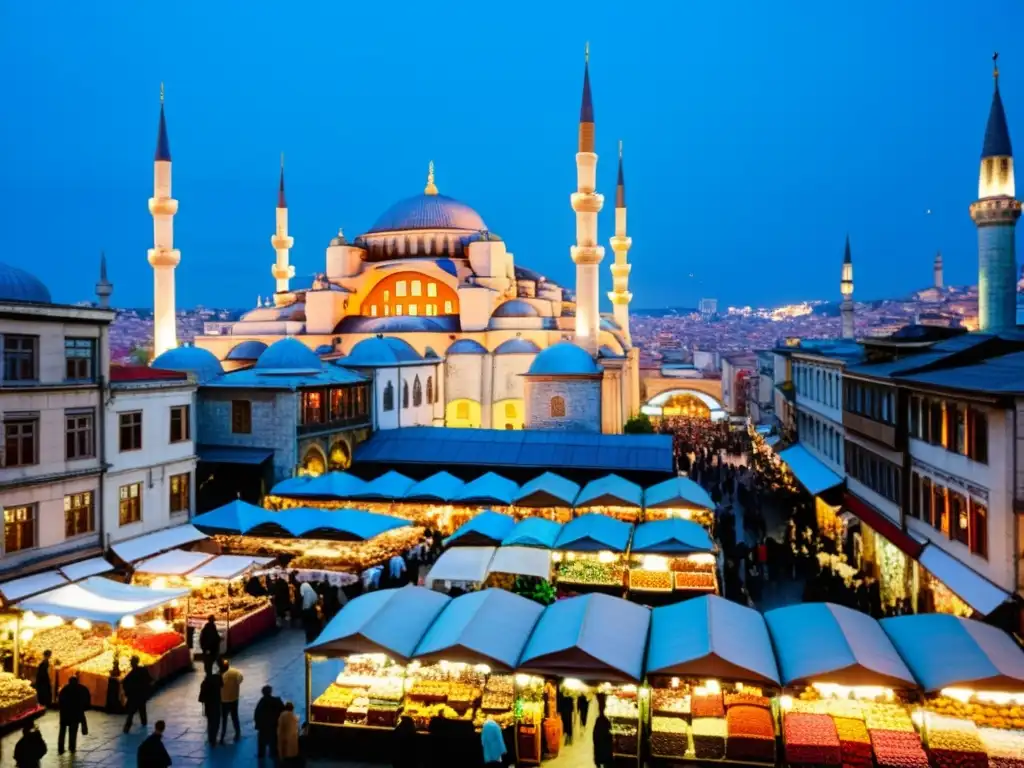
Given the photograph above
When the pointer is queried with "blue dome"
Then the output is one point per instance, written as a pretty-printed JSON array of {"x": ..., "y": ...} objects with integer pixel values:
[
  {"x": 396, "y": 324},
  {"x": 517, "y": 347},
  {"x": 563, "y": 359},
  {"x": 288, "y": 355},
  {"x": 428, "y": 212},
  {"x": 18, "y": 285},
  {"x": 466, "y": 347},
  {"x": 380, "y": 351},
  {"x": 200, "y": 362},
  {"x": 247, "y": 350},
  {"x": 516, "y": 308}
]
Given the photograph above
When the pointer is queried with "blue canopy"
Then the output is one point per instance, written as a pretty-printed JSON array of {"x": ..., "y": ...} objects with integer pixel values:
[
  {"x": 594, "y": 533},
  {"x": 945, "y": 651},
  {"x": 488, "y": 627},
  {"x": 827, "y": 643},
  {"x": 333, "y": 485},
  {"x": 533, "y": 532},
  {"x": 486, "y": 529},
  {"x": 388, "y": 487},
  {"x": 234, "y": 517},
  {"x": 812, "y": 473},
  {"x": 438, "y": 487},
  {"x": 610, "y": 491},
  {"x": 592, "y": 637},
  {"x": 548, "y": 490},
  {"x": 677, "y": 492},
  {"x": 388, "y": 621},
  {"x": 671, "y": 537},
  {"x": 711, "y": 637},
  {"x": 490, "y": 488},
  {"x": 300, "y": 523},
  {"x": 289, "y": 486}
]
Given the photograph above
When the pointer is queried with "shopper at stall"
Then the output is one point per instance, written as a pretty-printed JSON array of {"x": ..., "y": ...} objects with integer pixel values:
[
  {"x": 152, "y": 752},
  {"x": 493, "y": 743},
  {"x": 268, "y": 712},
  {"x": 231, "y": 685},
  {"x": 310, "y": 621},
  {"x": 296, "y": 595},
  {"x": 602, "y": 737},
  {"x": 72, "y": 701},
  {"x": 209, "y": 697},
  {"x": 583, "y": 705},
  {"x": 29, "y": 750},
  {"x": 396, "y": 571},
  {"x": 209, "y": 644},
  {"x": 282, "y": 600},
  {"x": 567, "y": 711},
  {"x": 44, "y": 688},
  {"x": 288, "y": 736},
  {"x": 403, "y": 747},
  {"x": 136, "y": 691}
]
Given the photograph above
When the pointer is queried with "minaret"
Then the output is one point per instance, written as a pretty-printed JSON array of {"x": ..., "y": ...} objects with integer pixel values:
[
  {"x": 281, "y": 269},
  {"x": 937, "y": 270},
  {"x": 587, "y": 254},
  {"x": 104, "y": 287},
  {"x": 846, "y": 288},
  {"x": 995, "y": 214},
  {"x": 620, "y": 295},
  {"x": 162, "y": 256}
]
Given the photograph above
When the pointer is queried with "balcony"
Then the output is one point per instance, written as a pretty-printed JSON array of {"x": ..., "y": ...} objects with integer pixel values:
[
  {"x": 333, "y": 425},
  {"x": 871, "y": 429}
]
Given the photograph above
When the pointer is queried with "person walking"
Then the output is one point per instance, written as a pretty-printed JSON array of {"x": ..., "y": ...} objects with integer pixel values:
[
  {"x": 136, "y": 691},
  {"x": 493, "y": 743},
  {"x": 209, "y": 644},
  {"x": 602, "y": 737},
  {"x": 29, "y": 751},
  {"x": 403, "y": 747},
  {"x": 72, "y": 702},
  {"x": 583, "y": 705},
  {"x": 44, "y": 687},
  {"x": 309, "y": 598},
  {"x": 288, "y": 736},
  {"x": 231, "y": 684},
  {"x": 152, "y": 752},
  {"x": 268, "y": 711},
  {"x": 209, "y": 697}
]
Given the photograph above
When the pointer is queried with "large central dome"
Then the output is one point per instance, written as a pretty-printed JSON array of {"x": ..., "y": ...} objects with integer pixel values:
[{"x": 428, "y": 212}]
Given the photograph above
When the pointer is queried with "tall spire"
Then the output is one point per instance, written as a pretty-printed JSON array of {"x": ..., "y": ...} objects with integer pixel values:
[
  {"x": 282, "y": 243},
  {"x": 846, "y": 289},
  {"x": 620, "y": 268},
  {"x": 620, "y": 187},
  {"x": 586, "y": 135},
  {"x": 281, "y": 203},
  {"x": 997, "y": 135},
  {"x": 846, "y": 253},
  {"x": 103, "y": 287},
  {"x": 163, "y": 146},
  {"x": 431, "y": 188}
]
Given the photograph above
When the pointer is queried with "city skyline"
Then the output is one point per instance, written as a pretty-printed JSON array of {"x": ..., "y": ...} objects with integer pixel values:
[{"x": 358, "y": 123}]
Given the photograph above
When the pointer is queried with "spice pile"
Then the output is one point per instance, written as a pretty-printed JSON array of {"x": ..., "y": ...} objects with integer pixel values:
[{"x": 811, "y": 738}]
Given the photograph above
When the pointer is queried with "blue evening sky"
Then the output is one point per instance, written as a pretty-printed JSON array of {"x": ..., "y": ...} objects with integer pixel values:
[{"x": 756, "y": 133}]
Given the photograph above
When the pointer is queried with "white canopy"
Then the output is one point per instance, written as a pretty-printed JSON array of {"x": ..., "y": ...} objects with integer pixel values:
[
  {"x": 16, "y": 589},
  {"x": 522, "y": 561},
  {"x": 177, "y": 562},
  {"x": 154, "y": 543},
  {"x": 227, "y": 567},
  {"x": 973, "y": 588},
  {"x": 100, "y": 600},
  {"x": 83, "y": 569},
  {"x": 461, "y": 564}
]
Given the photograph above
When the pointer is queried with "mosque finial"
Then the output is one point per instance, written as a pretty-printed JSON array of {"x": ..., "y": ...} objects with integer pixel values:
[
  {"x": 586, "y": 53},
  {"x": 281, "y": 202},
  {"x": 431, "y": 188},
  {"x": 161, "y": 91},
  {"x": 995, "y": 67}
]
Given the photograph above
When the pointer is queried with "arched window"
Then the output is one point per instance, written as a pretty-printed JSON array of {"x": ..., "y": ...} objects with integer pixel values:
[
  {"x": 462, "y": 410},
  {"x": 417, "y": 393},
  {"x": 510, "y": 410},
  {"x": 557, "y": 406},
  {"x": 430, "y": 389},
  {"x": 405, "y": 394},
  {"x": 389, "y": 397}
]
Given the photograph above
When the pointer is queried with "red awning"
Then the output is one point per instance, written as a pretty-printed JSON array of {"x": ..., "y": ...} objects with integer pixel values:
[{"x": 883, "y": 525}]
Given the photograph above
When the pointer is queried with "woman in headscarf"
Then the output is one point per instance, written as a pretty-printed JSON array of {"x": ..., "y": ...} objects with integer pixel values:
[{"x": 493, "y": 743}]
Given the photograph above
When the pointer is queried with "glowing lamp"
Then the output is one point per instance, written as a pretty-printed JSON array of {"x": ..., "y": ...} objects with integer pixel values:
[
  {"x": 27, "y": 635},
  {"x": 82, "y": 624},
  {"x": 128, "y": 622}
]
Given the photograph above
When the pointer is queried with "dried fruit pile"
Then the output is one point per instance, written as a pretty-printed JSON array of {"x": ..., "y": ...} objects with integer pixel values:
[
  {"x": 695, "y": 580},
  {"x": 898, "y": 749},
  {"x": 591, "y": 572},
  {"x": 650, "y": 581},
  {"x": 854, "y": 742},
  {"x": 811, "y": 738},
  {"x": 983, "y": 714},
  {"x": 667, "y": 701},
  {"x": 751, "y": 734},
  {"x": 709, "y": 705},
  {"x": 1005, "y": 748}
]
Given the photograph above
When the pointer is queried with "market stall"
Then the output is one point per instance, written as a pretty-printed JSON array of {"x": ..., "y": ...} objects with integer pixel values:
[
  {"x": 389, "y": 487},
  {"x": 712, "y": 677},
  {"x": 849, "y": 692},
  {"x": 94, "y": 627},
  {"x": 463, "y": 568},
  {"x": 526, "y": 566},
  {"x": 533, "y": 532},
  {"x": 132, "y": 550},
  {"x": 613, "y": 496},
  {"x": 670, "y": 560},
  {"x": 680, "y": 497},
  {"x": 548, "y": 496},
  {"x": 487, "y": 529},
  {"x": 429, "y": 503},
  {"x": 590, "y": 555}
]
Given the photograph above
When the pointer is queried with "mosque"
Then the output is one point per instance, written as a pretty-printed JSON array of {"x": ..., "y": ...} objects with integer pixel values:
[{"x": 509, "y": 348}]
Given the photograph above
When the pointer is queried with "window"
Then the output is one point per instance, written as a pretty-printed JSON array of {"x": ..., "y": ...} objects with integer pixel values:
[
  {"x": 927, "y": 501},
  {"x": 19, "y": 528},
  {"x": 915, "y": 416},
  {"x": 959, "y": 519},
  {"x": 78, "y": 442},
  {"x": 417, "y": 393},
  {"x": 20, "y": 358},
  {"x": 935, "y": 422},
  {"x": 978, "y": 430},
  {"x": 462, "y": 411},
  {"x": 129, "y": 505},
  {"x": 361, "y": 400},
  {"x": 979, "y": 529},
  {"x": 557, "y": 406},
  {"x": 448, "y": 308},
  {"x": 130, "y": 425},
  {"x": 79, "y": 357},
  {"x": 313, "y": 407},
  {"x": 405, "y": 395},
  {"x": 510, "y": 410},
  {"x": 413, "y": 310},
  {"x": 915, "y": 495},
  {"x": 430, "y": 310},
  {"x": 389, "y": 397},
  {"x": 881, "y": 476},
  {"x": 430, "y": 389},
  {"x": 241, "y": 417},
  {"x": 387, "y": 310},
  {"x": 400, "y": 288},
  {"x": 432, "y": 290},
  {"x": 417, "y": 288},
  {"x": 960, "y": 429},
  {"x": 181, "y": 496},
  {"x": 180, "y": 423},
  {"x": 398, "y": 310},
  {"x": 78, "y": 514},
  {"x": 373, "y": 311},
  {"x": 940, "y": 515},
  {"x": 387, "y": 296},
  {"x": 20, "y": 441}
]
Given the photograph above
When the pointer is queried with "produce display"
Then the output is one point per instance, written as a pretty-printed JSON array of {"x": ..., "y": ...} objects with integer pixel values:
[
  {"x": 954, "y": 743},
  {"x": 695, "y": 581},
  {"x": 854, "y": 742},
  {"x": 651, "y": 581},
  {"x": 751, "y": 734},
  {"x": 623, "y": 710},
  {"x": 811, "y": 739},
  {"x": 670, "y": 701},
  {"x": 102, "y": 664},
  {"x": 69, "y": 644},
  {"x": 17, "y": 698},
  {"x": 150, "y": 643},
  {"x": 898, "y": 749},
  {"x": 591, "y": 571},
  {"x": 214, "y": 600},
  {"x": 709, "y": 738},
  {"x": 981, "y": 709},
  {"x": 670, "y": 737},
  {"x": 708, "y": 705},
  {"x": 1005, "y": 748}
]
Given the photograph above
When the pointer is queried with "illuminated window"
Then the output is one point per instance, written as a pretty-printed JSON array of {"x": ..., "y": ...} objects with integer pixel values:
[
  {"x": 417, "y": 288},
  {"x": 510, "y": 410},
  {"x": 387, "y": 310},
  {"x": 462, "y": 410},
  {"x": 181, "y": 495},
  {"x": 387, "y": 295},
  {"x": 557, "y": 406},
  {"x": 398, "y": 309},
  {"x": 417, "y": 393},
  {"x": 129, "y": 505},
  {"x": 400, "y": 288},
  {"x": 432, "y": 290},
  {"x": 431, "y": 310},
  {"x": 78, "y": 514},
  {"x": 447, "y": 307},
  {"x": 413, "y": 309},
  {"x": 373, "y": 311},
  {"x": 19, "y": 528}
]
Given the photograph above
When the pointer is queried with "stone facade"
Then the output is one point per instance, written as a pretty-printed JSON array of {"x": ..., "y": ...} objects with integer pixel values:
[
  {"x": 275, "y": 417},
  {"x": 582, "y": 398}
]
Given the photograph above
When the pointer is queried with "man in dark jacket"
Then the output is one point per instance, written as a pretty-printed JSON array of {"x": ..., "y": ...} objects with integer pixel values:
[
  {"x": 209, "y": 644},
  {"x": 152, "y": 752},
  {"x": 268, "y": 712},
  {"x": 44, "y": 688},
  {"x": 29, "y": 750},
  {"x": 209, "y": 697},
  {"x": 72, "y": 703},
  {"x": 136, "y": 691},
  {"x": 602, "y": 737}
]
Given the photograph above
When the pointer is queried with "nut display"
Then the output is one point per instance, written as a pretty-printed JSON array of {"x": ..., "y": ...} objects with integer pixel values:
[
  {"x": 70, "y": 646},
  {"x": 954, "y": 743},
  {"x": 709, "y": 738},
  {"x": 670, "y": 702},
  {"x": 1005, "y": 748},
  {"x": 747, "y": 699},
  {"x": 888, "y": 717},
  {"x": 709, "y": 705},
  {"x": 983, "y": 714},
  {"x": 17, "y": 698},
  {"x": 669, "y": 737}
]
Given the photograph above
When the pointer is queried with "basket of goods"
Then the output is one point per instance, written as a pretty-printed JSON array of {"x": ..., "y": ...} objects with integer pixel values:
[
  {"x": 709, "y": 738},
  {"x": 751, "y": 734},
  {"x": 357, "y": 711},
  {"x": 17, "y": 698},
  {"x": 708, "y": 705},
  {"x": 747, "y": 699},
  {"x": 429, "y": 690},
  {"x": 669, "y": 737},
  {"x": 382, "y": 715},
  {"x": 386, "y": 689},
  {"x": 954, "y": 743},
  {"x": 69, "y": 646},
  {"x": 331, "y": 705},
  {"x": 811, "y": 738},
  {"x": 854, "y": 742},
  {"x": 461, "y": 696},
  {"x": 666, "y": 701},
  {"x": 650, "y": 581},
  {"x": 898, "y": 749},
  {"x": 1005, "y": 748},
  {"x": 696, "y": 580},
  {"x": 591, "y": 572},
  {"x": 887, "y": 717},
  {"x": 496, "y": 702}
]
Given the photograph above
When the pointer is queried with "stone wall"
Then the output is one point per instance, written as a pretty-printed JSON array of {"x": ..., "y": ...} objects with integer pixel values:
[
  {"x": 274, "y": 423},
  {"x": 582, "y": 404}
]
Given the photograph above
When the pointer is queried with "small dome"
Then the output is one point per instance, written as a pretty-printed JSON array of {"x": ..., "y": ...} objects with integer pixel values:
[
  {"x": 394, "y": 324},
  {"x": 516, "y": 308},
  {"x": 18, "y": 285},
  {"x": 564, "y": 359},
  {"x": 428, "y": 212},
  {"x": 380, "y": 351},
  {"x": 247, "y": 350},
  {"x": 466, "y": 347},
  {"x": 517, "y": 347},
  {"x": 200, "y": 362},
  {"x": 290, "y": 355}
]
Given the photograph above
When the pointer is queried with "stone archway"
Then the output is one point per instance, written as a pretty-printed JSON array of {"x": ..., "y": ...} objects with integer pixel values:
[
  {"x": 314, "y": 462},
  {"x": 340, "y": 457},
  {"x": 683, "y": 401}
]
